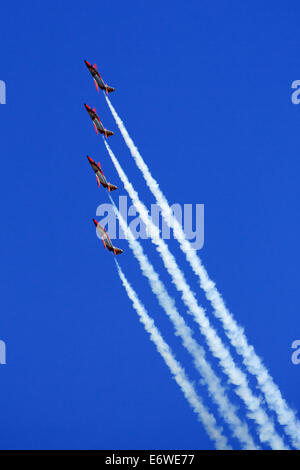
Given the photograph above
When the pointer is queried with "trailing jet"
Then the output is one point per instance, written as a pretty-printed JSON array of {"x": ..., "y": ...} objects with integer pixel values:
[
  {"x": 97, "y": 123},
  {"x": 106, "y": 240},
  {"x": 98, "y": 79},
  {"x": 100, "y": 175}
]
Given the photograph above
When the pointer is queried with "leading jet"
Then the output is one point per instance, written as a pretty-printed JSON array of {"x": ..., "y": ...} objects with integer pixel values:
[
  {"x": 98, "y": 79},
  {"x": 100, "y": 175},
  {"x": 97, "y": 123},
  {"x": 106, "y": 240}
]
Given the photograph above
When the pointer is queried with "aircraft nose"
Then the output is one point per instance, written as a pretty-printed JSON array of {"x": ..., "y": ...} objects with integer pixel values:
[{"x": 95, "y": 222}]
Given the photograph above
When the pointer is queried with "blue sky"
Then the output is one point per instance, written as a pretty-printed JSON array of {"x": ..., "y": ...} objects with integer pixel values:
[{"x": 204, "y": 89}]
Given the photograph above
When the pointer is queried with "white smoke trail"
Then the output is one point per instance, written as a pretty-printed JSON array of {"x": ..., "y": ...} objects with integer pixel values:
[
  {"x": 286, "y": 416},
  {"x": 217, "y": 392},
  {"x": 175, "y": 367},
  {"x": 265, "y": 426}
]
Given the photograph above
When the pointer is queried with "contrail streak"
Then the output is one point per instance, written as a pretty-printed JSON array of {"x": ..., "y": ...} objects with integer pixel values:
[
  {"x": 217, "y": 392},
  {"x": 175, "y": 367},
  {"x": 286, "y": 416},
  {"x": 265, "y": 426}
]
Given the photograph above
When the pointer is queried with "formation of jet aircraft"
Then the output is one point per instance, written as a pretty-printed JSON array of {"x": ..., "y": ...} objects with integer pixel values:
[{"x": 99, "y": 128}]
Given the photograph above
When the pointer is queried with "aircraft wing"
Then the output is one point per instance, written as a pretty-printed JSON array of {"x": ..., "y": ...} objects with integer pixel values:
[
  {"x": 108, "y": 243},
  {"x": 104, "y": 235},
  {"x": 103, "y": 86},
  {"x": 101, "y": 128},
  {"x": 99, "y": 81},
  {"x": 102, "y": 179},
  {"x": 99, "y": 228}
]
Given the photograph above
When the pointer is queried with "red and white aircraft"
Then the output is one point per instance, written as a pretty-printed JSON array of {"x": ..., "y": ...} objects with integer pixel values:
[
  {"x": 98, "y": 79},
  {"x": 97, "y": 123},
  {"x": 106, "y": 240},
  {"x": 100, "y": 175}
]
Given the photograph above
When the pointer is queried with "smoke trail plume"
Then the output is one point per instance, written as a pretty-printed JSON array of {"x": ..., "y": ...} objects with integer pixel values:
[
  {"x": 266, "y": 430},
  {"x": 216, "y": 390},
  {"x": 206, "y": 418},
  {"x": 235, "y": 333}
]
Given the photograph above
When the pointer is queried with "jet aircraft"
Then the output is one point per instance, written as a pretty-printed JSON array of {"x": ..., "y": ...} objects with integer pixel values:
[
  {"x": 97, "y": 123},
  {"x": 98, "y": 79},
  {"x": 100, "y": 175},
  {"x": 105, "y": 238}
]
